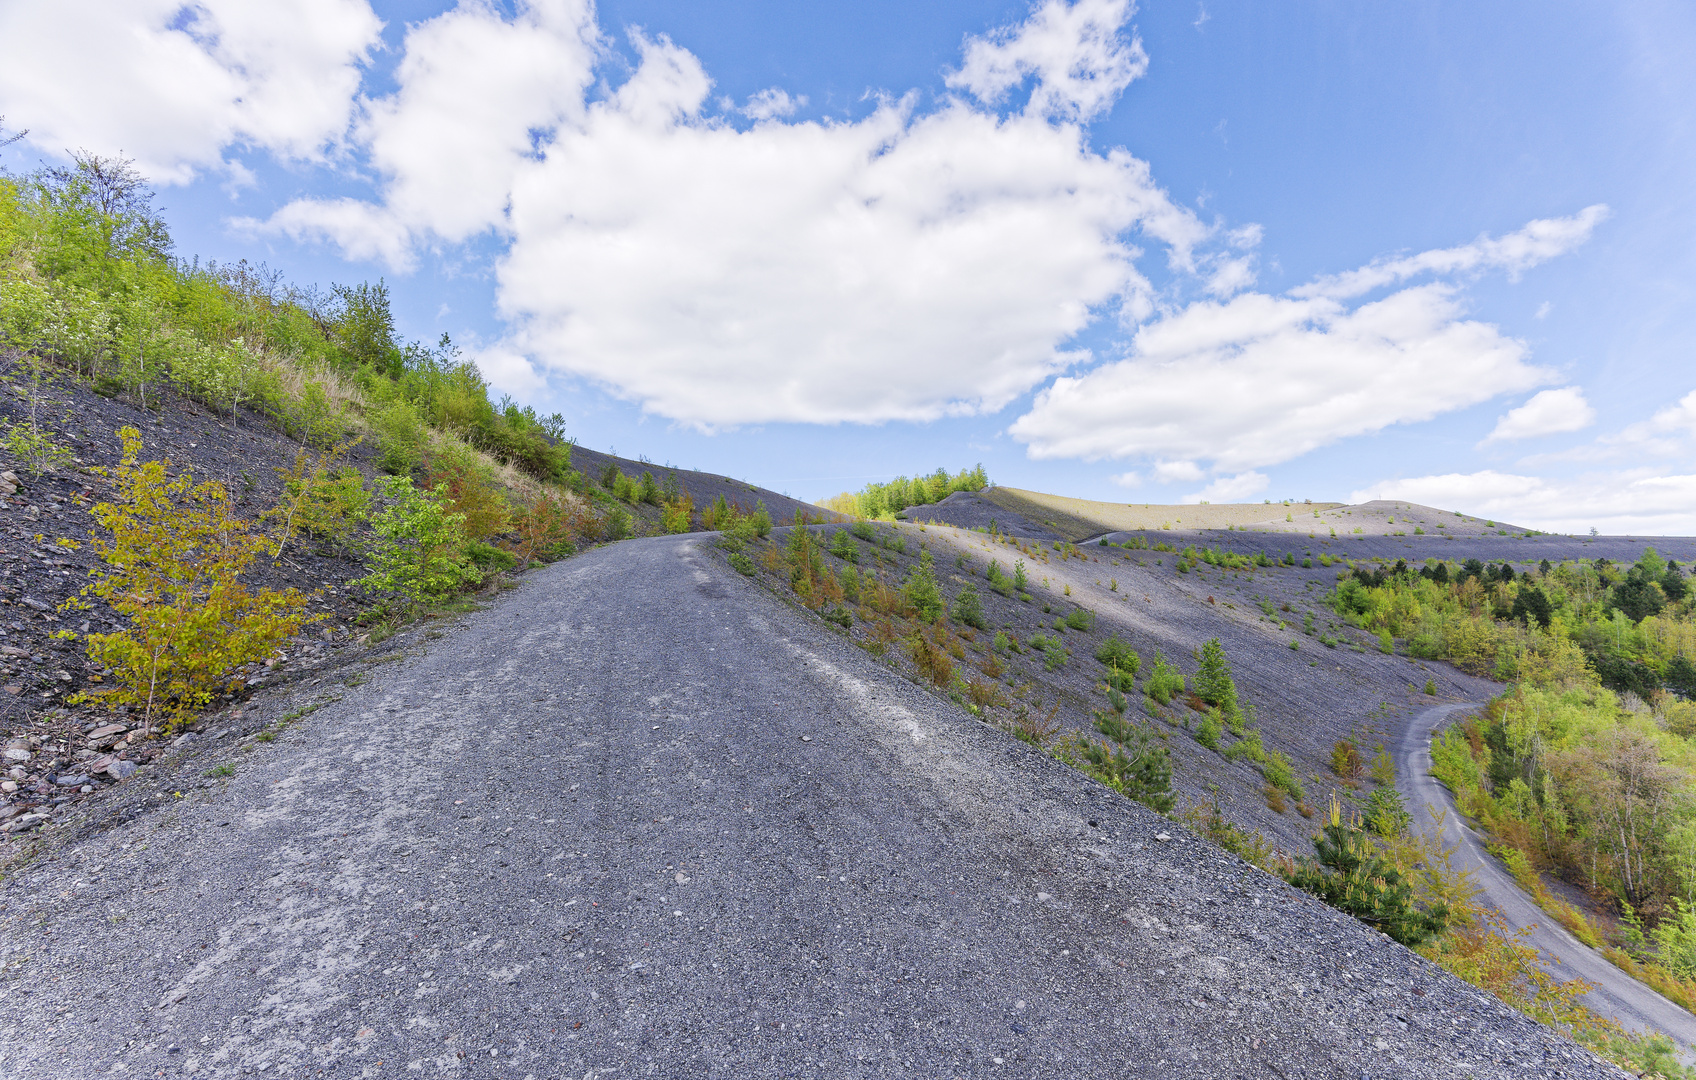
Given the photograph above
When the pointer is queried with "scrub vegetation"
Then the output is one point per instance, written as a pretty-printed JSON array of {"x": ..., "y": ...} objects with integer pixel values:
[
  {"x": 93, "y": 297},
  {"x": 884, "y": 501}
]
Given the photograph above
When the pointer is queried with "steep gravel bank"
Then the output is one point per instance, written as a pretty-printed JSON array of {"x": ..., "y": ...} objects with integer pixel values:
[{"x": 637, "y": 818}]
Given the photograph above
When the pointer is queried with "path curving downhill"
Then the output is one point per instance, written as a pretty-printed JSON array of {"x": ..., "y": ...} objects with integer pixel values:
[
  {"x": 1617, "y": 994},
  {"x": 639, "y": 818}
]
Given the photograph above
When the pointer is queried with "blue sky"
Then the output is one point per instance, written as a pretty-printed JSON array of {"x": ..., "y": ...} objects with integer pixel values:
[{"x": 1108, "y": 252}]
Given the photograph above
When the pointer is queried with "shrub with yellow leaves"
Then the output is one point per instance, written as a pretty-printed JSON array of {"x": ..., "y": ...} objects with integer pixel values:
[{"x": 173, "y": 562}]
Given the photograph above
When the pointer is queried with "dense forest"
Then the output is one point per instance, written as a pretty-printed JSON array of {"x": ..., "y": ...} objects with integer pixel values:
[{"x": 1585, "y": 767}]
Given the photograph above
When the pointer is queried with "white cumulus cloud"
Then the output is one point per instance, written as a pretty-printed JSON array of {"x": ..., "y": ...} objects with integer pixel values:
[
  {"x": 772, "y": 102},
  {"x": 1551, "y": 412},
  {"x": 910, "y": 264},
  {"x": 1226, "y": 489},
  {"x": 1074, "y": 55},
  {"x": 1259, "y": 379},
  {"x": 174, "y": 85},
  {"x": 475, "y": 89}
]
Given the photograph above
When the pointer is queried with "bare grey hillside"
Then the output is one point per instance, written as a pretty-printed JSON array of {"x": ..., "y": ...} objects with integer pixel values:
[{"x": 638, "y": 818}]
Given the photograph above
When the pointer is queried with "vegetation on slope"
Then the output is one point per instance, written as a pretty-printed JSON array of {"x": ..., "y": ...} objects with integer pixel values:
[
  {"x": 90, "y": 291},
  {"x": 886, "y": 500}
]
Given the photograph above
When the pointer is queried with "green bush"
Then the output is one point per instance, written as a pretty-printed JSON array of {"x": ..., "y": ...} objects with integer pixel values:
[
  {"x": 1164, "y": 681},
  {"x": 1385, "y": 813},
  {"x": 488, "y": 557},
  {"x": 1115, "y": 652},
  {"x": 617, "y": 524},
  {"x": 1139, "y": 767},
  {"x": 741, "y": 563},
  {"x": 402, "y": 438},
  {"x": 1281, "y": 774},
  {"x": 1002, "y": 642},
  {"x": 1208, "y": 732},
  {"x": 760, "y": 519},
  {"x": 1353, "y": 876},
  {"x": 921, "y": 589},
  {"x": 968, "y": 608},
  {"x": 865, "y": 531},
  {"x": 1053, "y": 652},
  {"x": 843, "y": 547},
  {"x": 420, "y": 551},
  {"x": 1081, "y": 619},
  {"x": 851, "y": 584}
]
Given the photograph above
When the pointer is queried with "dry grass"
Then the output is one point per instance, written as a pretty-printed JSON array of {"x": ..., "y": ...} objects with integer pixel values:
[{"x": 1079, "y": 519}]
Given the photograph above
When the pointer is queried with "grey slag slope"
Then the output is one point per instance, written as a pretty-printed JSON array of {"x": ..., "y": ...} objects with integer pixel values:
[{"x": 639, "y": 819}]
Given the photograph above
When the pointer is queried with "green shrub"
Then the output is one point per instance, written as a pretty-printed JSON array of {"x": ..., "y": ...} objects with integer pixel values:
[
  {"x": 420, "y": 551},
  {"x": 677, "y": 515},
  {"x": 1207, "y": 734},
  {"x": 1353, "y": 876},
  {"x": 173, "y": 564},
  {"x": 1248, "y": 746},
  {"x": 1123, "y": 681},
  {"x": 838, "y": 615},
  {"x": 968, "y": 608},
  {"x": 1020, "y": 581},
  {"x": 1431, "y": 687},
  {"x": 1053, "y": 652},
  {"x": 760, "y": 520},
  {"x": 1164, "y": 681},
  {"x": 1081, "y": 619},
  {"x": 851, "y": 585},
  {"x": 843, "y": 547},
  {"x": 488, "y": 557},
  {"x": 1281, "y": 774},
  {"x": 921, "y": 589},
  {"x": 1386, "y": 643},
  {"x": 1115, "y": 652},
  {"x": 1002, "y": 642},
  {"x": 617, "y": 524},
  {"x": 741, "y": 563},
  {"x": 1139, "y": 767},
  {"x": 1214, "y": 685},
  {"x": 1385, "y": 813},
  {"x": 865, "y": 531}
]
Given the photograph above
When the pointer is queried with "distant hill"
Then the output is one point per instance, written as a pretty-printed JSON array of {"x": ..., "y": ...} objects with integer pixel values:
[
  {"x": 703, "y": 487},
  {"x": 1042, "y": 516}
]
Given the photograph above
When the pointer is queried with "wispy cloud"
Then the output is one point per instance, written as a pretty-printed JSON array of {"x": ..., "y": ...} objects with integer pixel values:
[{"x": 1515, "y": 253}]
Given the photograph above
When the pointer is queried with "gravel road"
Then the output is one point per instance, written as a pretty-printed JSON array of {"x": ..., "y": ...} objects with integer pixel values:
[
  {"x": 1634, "y": 1005},
  {"x": 638, "y": 818}
]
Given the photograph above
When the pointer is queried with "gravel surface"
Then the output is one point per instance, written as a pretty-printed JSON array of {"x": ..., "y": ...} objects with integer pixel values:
[
  {"x": 638, "y": 818},
  {"x": 1303, "y": 699}
]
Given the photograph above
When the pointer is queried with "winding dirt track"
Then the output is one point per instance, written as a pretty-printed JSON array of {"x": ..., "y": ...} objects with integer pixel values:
[{"x": 1617, "y": 994}]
